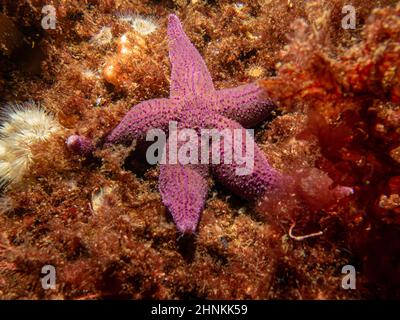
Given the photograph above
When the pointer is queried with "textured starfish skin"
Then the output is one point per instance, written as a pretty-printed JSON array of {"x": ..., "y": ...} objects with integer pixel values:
[
  {"x": 184, "y": 189},
  {"x": 155, "y": 113},
  {"x": 80, "y": 145},
  {"x": 250, "y": 186},
  {"x": 194, "y": 103}
]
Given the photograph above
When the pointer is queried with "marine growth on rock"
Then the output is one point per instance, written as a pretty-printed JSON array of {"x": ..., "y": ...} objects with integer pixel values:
[{"x": 174, "y": 217}]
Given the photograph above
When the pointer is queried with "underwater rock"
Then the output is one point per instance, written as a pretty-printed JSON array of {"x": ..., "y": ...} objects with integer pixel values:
[
  {"x": 10, "y": 37},
  {"x": 102, "y": 223}
]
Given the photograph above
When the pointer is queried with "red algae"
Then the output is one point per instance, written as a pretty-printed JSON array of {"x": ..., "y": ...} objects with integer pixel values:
[
  {"x": 350, "y": 99},
  {"x": 101, "y": 223}
]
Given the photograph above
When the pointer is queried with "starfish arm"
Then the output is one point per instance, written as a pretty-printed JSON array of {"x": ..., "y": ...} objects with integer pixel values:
[
  {"x": 247, "y": 104},
  {"x": 259, "y": 177},
  {"x": 183, "y": 189},
  {"x": 80, "y": 145},
  {"x": 155, "y": 113},
  {"x": 189, "y": 74}
]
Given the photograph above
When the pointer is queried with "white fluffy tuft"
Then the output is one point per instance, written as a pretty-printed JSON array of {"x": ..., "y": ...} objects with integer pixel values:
[
  {"x": 22, "y": 126},
  {"x": 103, "y": 37},
  {"x": 141, "y": 24}
]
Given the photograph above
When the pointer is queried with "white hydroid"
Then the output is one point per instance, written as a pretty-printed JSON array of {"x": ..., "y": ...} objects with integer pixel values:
[
  {"x": 22, "y": 126},
  {"x": 141, "y": 24}
]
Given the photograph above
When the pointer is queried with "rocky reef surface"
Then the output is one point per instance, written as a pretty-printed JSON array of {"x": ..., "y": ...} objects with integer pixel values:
[{"x": 100, "y": 220}]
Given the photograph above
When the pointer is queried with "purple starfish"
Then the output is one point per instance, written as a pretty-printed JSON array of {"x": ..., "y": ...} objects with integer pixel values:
[{"x": 195, "y": 103}]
